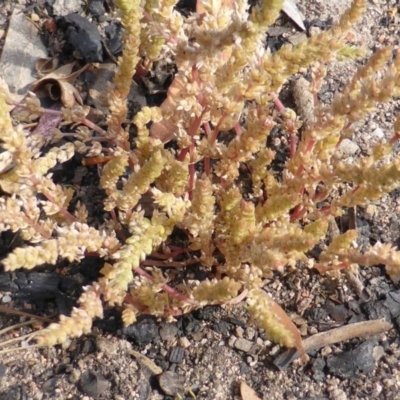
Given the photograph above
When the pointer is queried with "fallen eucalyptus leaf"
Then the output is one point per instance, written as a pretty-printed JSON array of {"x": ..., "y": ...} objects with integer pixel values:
[
  {"x": 291, "y": 10},
  {"x": 247, "y": 392}
]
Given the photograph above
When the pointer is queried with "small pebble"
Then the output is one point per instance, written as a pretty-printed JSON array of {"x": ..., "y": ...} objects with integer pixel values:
[
  {"x": 168, "y": 332},
  {"x": 6, "y": 299},
  {"x": 184, "y": 342},
  {"x": 249, "y": 333},
  {"x": 243, "y": 345},
  {"x": 171, "y": 383},
  {"x": 176, "y": 355},
  {"x": 106, "y": 346},
  {"x": 326, "y": 351},
  {"x": 239, "y": 331},
  {"x": 93, "y": 384},
  {"x": 231, "y": 341},
  {"x": 378, "y": 133},
  {"x": 275, "y": 350}
]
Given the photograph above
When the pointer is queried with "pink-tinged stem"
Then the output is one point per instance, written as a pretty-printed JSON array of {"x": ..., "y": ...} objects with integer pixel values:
[
  {"x": 192, "y": 131},
  {"x": 238, "y": 129},
  {"x": 216, "y": 130},
  {"x": 278, "y": 104},
  {"x": 167, "y": 256},
  {"x": 36, "y": 227},
  {"x": 207, "y": 161},
  {"x": 192, "y": 174},
  {"x": 167, "y": 289},
  {"x": 119, "y": 232},
  {"x": 322, "y": 269},
  {"x": 240, "y": 298},
  {"x": 63, "y": 211},
  {"x": 93, "y": 126},
  {"x": 293, "y": 147}
]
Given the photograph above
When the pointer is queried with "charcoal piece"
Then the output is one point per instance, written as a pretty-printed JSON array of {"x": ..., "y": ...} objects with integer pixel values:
[
  {"x": 318, "y": 370},
  {"x": 392, "y": 302},
  {"x": 354, "y": 306},
  {"x": 377, "y": 309},
  {"x": 21, "y": 278},
  {"x": 114, "y": 38},
  {"x": 207, "y": 313},
  {"x": 111, "y": 322},
  {"x": 188, "y": 325},
  {"x": 338, "y": 312},
  {"x": 69, "y": 285},
  {"x": 143, "y": 331},
  {"x": 88, "y": 347},
  {"x": 236, "y": 322},
  {"x": 350, "y": 364},
  {"x": 221, "y": 327},
  {"x": 50, "y": 385},
  {"x": 61, "y": 369},
  {"x": 275, "y": 43},
  {"x": 82, "y": 36},
  {"x": 3, "y": 370},
  {"x": 171, "y": 383},
  {"x": 96, "y": 8},
  {"x": 93, "y": 384},
  {"x": 176, "y": 355},
  {"x": 5, "y": 281},
  {"x": 64, "y": 304},
  {"x": 38, "y": 286},
  {"x": 356, "y": 318},
  {"x": 318, "y": 23},
  {"x": 16, "y": 392},
  {"x": 380, "y": 286},
  {"x": 317, "y": 314},
  {"x": 143, "y": 389},
  {"x": 244, "y": 369}
]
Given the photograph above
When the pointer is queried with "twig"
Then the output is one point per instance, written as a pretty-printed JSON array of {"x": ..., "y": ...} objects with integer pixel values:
[
  {"x": 9, "y": 310},
  {"x": 346, "y": 332}
]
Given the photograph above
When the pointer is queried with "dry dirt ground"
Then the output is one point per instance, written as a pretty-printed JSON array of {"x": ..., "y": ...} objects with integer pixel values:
[{"x": 212, "y": 350}]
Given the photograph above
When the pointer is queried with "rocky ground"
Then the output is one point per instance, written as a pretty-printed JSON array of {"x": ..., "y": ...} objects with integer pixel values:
[{"x": 209, "y": 352}]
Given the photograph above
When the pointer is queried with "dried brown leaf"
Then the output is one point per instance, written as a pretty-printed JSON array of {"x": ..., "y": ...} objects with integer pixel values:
[
  {"x": 58, "y": 84},
  {"x": 247, "y": 392}
]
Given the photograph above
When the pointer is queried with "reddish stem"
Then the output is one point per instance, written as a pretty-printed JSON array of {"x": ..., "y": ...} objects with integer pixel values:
[
  {"x": 167, "y": 289},
  {"x": 96, "y": 160},
  {"x": 63, "y": 211}
]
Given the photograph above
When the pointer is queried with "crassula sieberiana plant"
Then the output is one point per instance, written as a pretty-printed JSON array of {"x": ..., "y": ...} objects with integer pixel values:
[{"x": 226, "y": 81}]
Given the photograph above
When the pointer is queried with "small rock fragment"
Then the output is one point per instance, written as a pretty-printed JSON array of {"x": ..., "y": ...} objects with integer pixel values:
[
  {"x": 3, "y": 370},
  {"x": 62, "y": 7},
  {"x": 83, "y": 36},
  {"x": 96, "y": 8},
  {"x": 106, "y": 346},
  {"x": 184, "y": 342},
  {"x": 168, "y": 332},
  {"x": 93, "y": 384},
  {"x": 221, "y": 327},
  {"x": 171, "y": 383},
  {"x": 318, "y": 370},
  {"x": 243, "y": 345},
  {"x": 352, "y": 363},
  {"x": 142, "y": 332},
  {"x": 176, "y": 355},
  {"x": 347, "y": 148}
]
